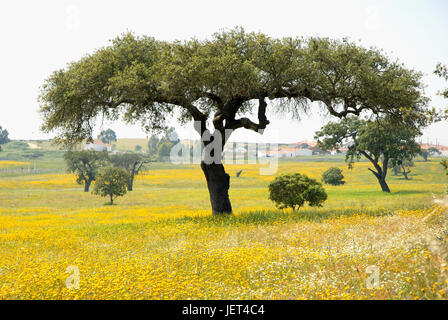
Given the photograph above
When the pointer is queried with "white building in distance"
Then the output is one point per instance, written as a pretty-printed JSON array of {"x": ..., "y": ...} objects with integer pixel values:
[{"x": 98, "y": 145}]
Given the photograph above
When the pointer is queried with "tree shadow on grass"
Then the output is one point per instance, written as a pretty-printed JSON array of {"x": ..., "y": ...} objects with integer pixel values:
[
  {"x": 410, "y": 192},
  {"x": 411, "y": 179},
  {"x": 265, "y": 217}
]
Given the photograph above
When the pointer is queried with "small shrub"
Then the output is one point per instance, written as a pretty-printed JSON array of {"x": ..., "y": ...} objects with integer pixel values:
[
  {"x": 111, "y": 182},
  {"x": 294, "y": 190},
  {"x": 333, "y": 176},
  {"x": 444, "y": 163}
]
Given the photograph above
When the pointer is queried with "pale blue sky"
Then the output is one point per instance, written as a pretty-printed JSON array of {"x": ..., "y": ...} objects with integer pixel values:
[{"x": 38, "y": 37}]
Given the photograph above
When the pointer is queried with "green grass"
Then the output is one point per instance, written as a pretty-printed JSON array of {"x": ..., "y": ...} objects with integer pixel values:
[{"x": 184, "y": 185}]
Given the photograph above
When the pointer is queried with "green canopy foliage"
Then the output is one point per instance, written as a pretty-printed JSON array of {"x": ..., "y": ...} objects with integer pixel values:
[
  {"x": 444, "y": 163},
  {"x": 442, "y": 71},
  {"x": 107, "y": 136},
  {"x": 434, "y": 151},
  {"x": 144, "y": 79}
]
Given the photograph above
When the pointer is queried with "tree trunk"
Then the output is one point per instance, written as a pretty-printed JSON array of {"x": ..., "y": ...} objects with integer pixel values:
[
  {"x": 405, "y": 174},
  {"x": 111, "y": 200},
  {"x": 218, "y": 183},
  {"x": 381, "y": 173},
  {"x": 131, "y": 182},
  {"x": 383, "y": 184},
  {"x": 87, "y": 185}
]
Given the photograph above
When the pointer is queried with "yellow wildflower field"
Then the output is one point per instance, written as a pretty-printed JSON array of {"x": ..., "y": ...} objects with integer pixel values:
[
  {"x": 160, "y": 241},
  {"x": 8, "y": 163}
]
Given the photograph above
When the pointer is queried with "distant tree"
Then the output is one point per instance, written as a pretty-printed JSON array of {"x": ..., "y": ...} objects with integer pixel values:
[
  {"x": 333, "y": 176},
  {"x": 425, "y": 154},
  {"x": 138, "y": 148},
  {"x": 294, "y": 190},
  {"x": 111, "y": 182},
  {"x": 131, "y": 162},
  {"x": 404, "y": 168},
  {"x": 434, "y": 151},
  {"x": 3, "y": 137},
  {"x": 171, "y": 135},
  {"x": 430, "y": 152},
  {"x": 107, "y": 136},
  {"x": 18, "y": 145},
  {"x": 164, "y": 148},
  {"x": 152, "y": 144},
  {"x": 168, "y": 140},
  {"x": 382, "y": 142},
  {"x": 85, "y": 165}
]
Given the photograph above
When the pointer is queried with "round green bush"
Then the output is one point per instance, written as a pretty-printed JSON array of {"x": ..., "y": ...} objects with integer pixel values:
[
  {"x": 333, "y": 176},
  {"x": 294, "y": 190}
]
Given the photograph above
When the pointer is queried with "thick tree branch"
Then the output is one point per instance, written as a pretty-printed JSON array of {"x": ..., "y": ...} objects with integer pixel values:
[
  {"x": 379, "y": 172},
  {"x": 214, "y": 98},
  {"x": 247, "y": 123},
  {"x": 349, "y": 108},
  {"x": 374, "y": 172},
  {"x": 218, "y": 121}
]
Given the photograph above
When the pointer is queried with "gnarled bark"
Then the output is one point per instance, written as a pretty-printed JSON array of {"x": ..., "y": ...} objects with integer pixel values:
[
  {"x": 383, "y": 184},
  {"x": 218, "y": 183}
]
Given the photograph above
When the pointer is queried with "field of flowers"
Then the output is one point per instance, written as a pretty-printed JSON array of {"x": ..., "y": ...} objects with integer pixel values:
[
  {"x": 160, "y": 242},
  {"x": 5, "y": 163}
]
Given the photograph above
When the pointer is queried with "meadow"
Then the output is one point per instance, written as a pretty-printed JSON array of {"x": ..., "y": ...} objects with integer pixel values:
[{"x": 161, "y": 242}]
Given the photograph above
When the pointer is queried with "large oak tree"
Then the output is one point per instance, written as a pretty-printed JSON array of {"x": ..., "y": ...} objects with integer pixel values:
[{"x": 219, "y": 83}]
